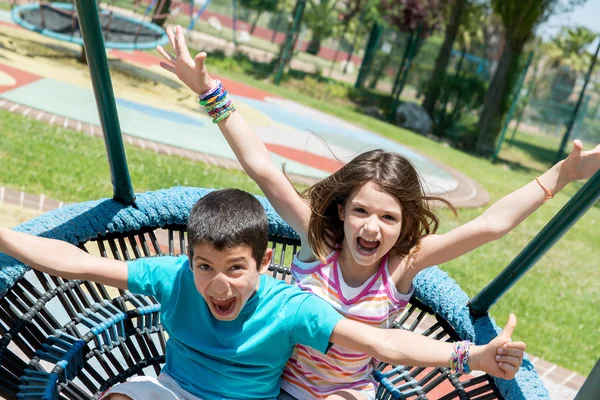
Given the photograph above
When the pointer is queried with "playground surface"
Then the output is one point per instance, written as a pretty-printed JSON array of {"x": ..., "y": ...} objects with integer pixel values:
[
  {"x": 310, "y": 143},
  {"x": 165, "y": 116}
]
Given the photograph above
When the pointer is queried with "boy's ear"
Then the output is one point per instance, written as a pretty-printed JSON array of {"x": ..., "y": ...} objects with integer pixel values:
[
  {"x": 266, "y": 260},
  {"x": 341, "y": 211}
]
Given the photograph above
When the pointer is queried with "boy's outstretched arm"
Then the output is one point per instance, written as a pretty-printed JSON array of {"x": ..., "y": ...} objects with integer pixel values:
[
  {"x": 501, "y": 357},
  {"x": 508, "y": 212},
  {"x": 62, "y": 259},
  {"x": 245, "y": 143}
]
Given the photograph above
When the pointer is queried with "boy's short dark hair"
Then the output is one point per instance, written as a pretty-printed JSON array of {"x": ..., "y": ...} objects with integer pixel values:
[{"x": 228, "y": 218}]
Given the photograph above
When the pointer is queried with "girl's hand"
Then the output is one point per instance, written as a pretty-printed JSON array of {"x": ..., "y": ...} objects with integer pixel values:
[
  {"x": 500, "y": 357},
  {"x": 190, "y": 71},
  {"x": 581, "y": 164}
]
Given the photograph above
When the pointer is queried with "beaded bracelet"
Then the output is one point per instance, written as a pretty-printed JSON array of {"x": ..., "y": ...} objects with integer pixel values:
[
  {"x": 459, "y": 359},
  {"x": 217, "y": 103}
]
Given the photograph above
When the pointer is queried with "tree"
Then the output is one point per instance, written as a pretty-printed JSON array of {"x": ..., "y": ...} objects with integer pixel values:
[
  {"x": 519, "y": 19},
  {"x": 161, "y": 12},
  {"x": 441, "y": 63},
  {"x": 353, "y": 8},
  {"x": 322, "y": 20},
  {"x": 568, "y": 56},
  {"x": 417, "y": 17},
  {"x": 461, "y": 91},
  {"x": 408, "y": 15},
  {"x": 259, "y": 6}
]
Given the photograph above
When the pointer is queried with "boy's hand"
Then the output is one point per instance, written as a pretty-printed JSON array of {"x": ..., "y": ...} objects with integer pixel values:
[
  {"x": 581, "y": 164},
  {"x": 501, "y": 357},
  {"x": 191, "y": 72}
]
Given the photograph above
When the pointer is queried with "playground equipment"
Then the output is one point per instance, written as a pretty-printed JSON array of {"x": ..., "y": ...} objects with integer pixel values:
[
  {"x": 72, "y": 339},
  {"x": 61, "y": 21},
  {"x": 196, "y": 17}
]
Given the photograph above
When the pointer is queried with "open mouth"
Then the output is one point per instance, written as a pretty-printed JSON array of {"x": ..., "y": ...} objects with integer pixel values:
[
  {"x": 223, "y": 306},
  {"x": 366, "y": 247}
]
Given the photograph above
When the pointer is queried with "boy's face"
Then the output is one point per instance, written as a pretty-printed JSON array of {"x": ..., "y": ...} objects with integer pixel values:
[{"x": 226, "y": 279}]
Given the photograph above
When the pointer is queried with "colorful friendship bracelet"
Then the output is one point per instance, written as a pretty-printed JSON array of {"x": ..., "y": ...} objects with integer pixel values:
[
  {"x": 459, "y": 359},
  {"x": 212, "y": 91},
  {"x": 217, "y": 103}
]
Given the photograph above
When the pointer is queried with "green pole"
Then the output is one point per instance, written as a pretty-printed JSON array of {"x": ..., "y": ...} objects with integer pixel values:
[
  {"x": 575, "y": 208},
  {"x": 91, "y": 31},
  {"x": 565, "y": 139},
  {"x": 234, "y": 23},
  {"x": 370, "y": 50},
  {"x": 591, "y": 386},
  {"x": 405, "y": 56},
  {"x": 582, "y": 113},
  {"x": 287, "y": 46},
  {"x": 404, "y": 68},
  {"x": 416, "y": 43},
  {"x": 512, "y": 109},
  {"x": 522, "y": 110}
]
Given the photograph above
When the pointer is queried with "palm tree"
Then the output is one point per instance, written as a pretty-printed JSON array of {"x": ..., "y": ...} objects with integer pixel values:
[
  {"x": 322, "y": 20},
  {"x": 568, "y": 56}
]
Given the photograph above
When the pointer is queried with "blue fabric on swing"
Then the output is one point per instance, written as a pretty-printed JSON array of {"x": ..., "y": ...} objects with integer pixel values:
[
  {"x": 84, "y": 221},
  {"x": 76, "y": 223},
  {"x": 440, "y": 292}
]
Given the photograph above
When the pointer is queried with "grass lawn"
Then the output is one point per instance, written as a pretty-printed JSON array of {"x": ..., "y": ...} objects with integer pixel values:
[
  {"x": 555, "y": 302},
  {"x": 68, "y": 166}
]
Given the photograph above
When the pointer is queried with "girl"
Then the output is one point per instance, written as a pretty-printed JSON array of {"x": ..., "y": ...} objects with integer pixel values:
[{"x": 366, "y": 231}]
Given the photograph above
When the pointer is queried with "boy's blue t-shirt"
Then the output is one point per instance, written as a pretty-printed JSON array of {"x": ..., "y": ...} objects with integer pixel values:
[{"x": 239, "y": 359}]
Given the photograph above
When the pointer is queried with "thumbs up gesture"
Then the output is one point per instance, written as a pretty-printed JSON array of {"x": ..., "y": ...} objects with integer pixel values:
[{"x": 500, "y": 357}]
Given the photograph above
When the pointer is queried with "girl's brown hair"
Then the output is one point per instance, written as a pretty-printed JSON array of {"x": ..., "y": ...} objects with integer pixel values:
[{"x": 395, "y": 175}]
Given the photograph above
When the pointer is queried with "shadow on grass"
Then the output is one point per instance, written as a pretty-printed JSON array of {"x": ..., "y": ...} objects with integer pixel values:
[
  {"x": 517, "y": 166},
  {"x": 537, "y": 152}
]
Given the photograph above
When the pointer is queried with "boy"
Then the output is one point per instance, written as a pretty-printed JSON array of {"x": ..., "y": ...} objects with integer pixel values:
[{"x": 231, "y": 328}]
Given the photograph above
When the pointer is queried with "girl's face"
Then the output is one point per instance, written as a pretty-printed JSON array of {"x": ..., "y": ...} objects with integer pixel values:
[{"x": 372, "y": 222}]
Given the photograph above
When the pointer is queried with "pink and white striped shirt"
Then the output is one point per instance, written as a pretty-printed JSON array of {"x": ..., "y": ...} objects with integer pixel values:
[{"x": 310, "y": 374}]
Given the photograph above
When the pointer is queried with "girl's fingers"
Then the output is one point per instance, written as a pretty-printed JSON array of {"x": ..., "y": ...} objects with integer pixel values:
[
  {"x": 167, "y": 56},
  {"x": 180, "y": 40},
  {"x": 171, "y": 36},
  {"x": 168, "y": 67},
  {"x": 514, "y": 361}
]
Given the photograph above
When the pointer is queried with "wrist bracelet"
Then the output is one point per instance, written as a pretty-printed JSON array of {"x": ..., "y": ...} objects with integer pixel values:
[
  {"x": 217, "y": 103},
  {"x": 549, "y": 194},
  {"x": 459, "y": 359}
]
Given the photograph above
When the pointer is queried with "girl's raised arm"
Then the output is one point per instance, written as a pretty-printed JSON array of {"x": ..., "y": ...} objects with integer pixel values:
[
  {"x": 508, "y": 212},
  {"x": 247, "y": 146}
]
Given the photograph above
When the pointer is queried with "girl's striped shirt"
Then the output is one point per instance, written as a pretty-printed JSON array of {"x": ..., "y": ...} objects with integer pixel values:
[{"x": 310, "y": 374}]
